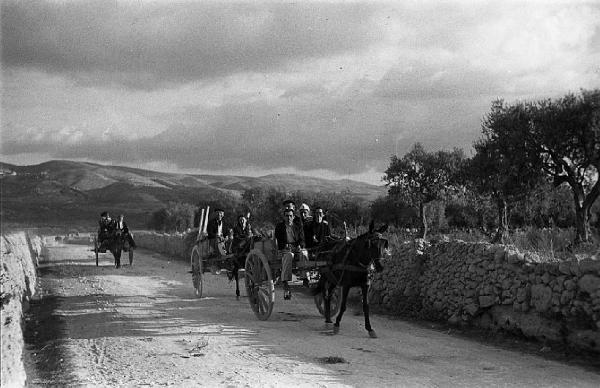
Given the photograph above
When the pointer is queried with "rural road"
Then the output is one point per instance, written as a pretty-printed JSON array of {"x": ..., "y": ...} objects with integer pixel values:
[{"x": 143, "y": 326}]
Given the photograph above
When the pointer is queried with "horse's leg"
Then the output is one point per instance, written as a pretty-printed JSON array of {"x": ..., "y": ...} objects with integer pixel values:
[
  {"x": 326, "y": 293},
  {"x": 365, "y": 304},
  {"x": 336, "y": 325},
  {"x": 237, "y": 282}
]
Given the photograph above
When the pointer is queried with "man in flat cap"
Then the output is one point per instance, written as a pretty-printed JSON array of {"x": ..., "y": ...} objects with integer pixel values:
[{"x": 217, "y": 232}]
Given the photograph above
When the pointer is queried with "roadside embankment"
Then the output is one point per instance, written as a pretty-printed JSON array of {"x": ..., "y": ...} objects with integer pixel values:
[
  {"x": 495, "y": 287},
  {"x": 20, "y": 254}
]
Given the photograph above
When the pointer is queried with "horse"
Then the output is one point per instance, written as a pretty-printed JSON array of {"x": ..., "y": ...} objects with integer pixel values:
[
  {"x": 350, "y": 262},
  {"x": 240, "y": 249},
  {"x": 115, "y": 242}
]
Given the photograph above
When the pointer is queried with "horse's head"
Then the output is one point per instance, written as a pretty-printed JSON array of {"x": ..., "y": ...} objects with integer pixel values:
[{"x": 372, "y": 248}]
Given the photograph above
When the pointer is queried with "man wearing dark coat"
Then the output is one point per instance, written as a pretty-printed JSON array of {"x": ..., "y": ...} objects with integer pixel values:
[
  {"x": 319, "y": 229},
  {"x": 290, "y": 243},
  {"x": 216, "y": 227},
  {"x": 217, "y": 232},
  {"x": 105, "y": 226},
  {"x": 242, "y": 232},
  {"x": 121, "y": 225}
]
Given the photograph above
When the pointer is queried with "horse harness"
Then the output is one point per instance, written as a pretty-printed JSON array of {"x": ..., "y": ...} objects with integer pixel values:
[{"x": 346, "y": 267}]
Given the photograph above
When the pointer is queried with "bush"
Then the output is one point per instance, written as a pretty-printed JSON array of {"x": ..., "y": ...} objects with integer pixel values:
[{"x": 176, "y": 217}]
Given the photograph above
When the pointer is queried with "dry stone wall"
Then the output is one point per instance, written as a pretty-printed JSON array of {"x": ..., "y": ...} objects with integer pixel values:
[
  {"x": 18, "y": 279},
  {"x": 494, "y": 287},
  {"x": 177, "y": 246}
]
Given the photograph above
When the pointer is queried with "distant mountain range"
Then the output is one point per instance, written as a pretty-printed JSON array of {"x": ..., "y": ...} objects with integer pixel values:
[{"x": 62, "y": 192}]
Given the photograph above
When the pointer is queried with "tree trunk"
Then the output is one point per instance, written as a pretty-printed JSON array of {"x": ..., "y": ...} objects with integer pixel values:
[
  {"x": 502, "y": 233},
  {"x": 424, "y": 228},
  {"x": 582, "y": 220}
]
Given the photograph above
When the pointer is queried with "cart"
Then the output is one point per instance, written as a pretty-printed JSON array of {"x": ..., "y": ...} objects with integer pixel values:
[
  {"x": 101, "y": 246},
  {"x": 262, "y": 268}
]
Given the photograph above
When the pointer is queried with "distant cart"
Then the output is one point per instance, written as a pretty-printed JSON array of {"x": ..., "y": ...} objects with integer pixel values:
[
  {"x": 115, "y": 243},
  {"x": 262, "y": 267}
]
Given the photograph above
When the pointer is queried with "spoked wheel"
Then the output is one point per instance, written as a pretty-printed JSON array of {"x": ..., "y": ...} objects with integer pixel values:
[
  {"x": 197, "y": 271},
  {"x": 259, "y": 285},
  {"x": 334, "y": 306}
]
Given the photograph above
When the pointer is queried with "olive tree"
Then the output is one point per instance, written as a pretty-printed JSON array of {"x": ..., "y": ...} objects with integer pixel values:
[
  {"x": 503, "y": 168},
  {"x": 566, "y": 134},
  {"x": 420, "y": 177},
  {"x": 558, "y": 139}
]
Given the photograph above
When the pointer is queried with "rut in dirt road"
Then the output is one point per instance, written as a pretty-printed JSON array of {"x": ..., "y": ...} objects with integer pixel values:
[{"x": 142, "y": 325}]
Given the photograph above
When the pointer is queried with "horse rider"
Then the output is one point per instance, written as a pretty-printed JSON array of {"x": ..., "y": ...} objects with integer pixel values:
[
  {"x": 242, "y": 232},
  {"x": 216, "y": 231},
  {"x": 121, "y": 226},
  {"x": 290, "y": 244}
]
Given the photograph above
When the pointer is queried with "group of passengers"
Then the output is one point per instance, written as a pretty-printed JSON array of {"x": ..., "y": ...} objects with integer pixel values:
[
  {"x": 108, "y": 227},
  {"x": 294, "y": 235}
]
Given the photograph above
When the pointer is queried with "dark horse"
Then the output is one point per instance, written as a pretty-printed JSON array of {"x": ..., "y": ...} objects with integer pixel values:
[
  {"x": 235, "y": 263},
  {"x": 240, "y": 249},
  {"x": 350, "y": 262},
  {"x": 114, "y": 242}
]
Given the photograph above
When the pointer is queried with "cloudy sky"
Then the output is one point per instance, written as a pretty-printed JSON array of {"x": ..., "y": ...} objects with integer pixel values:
[{"x": 323, "y": 88}]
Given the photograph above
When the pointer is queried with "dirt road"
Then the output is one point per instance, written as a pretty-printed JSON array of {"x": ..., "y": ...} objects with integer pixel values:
[{"x": 143, "y": 326}]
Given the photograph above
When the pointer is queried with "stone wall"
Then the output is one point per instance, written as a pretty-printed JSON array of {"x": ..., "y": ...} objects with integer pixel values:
[
  {"x": 18, "y": 279},
  {"x": 177, "y": 246},
  {"x": 494, "y": 287}
]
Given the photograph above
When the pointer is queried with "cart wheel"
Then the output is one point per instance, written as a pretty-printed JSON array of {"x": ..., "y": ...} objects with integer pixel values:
[
  {"x": 197, "y": 272},
  {"x": 334, "y": 306},
  {"x": 130, "y": 257},
  {"x": 96, "y": 249},
  {"x": 259, "y": 285}
]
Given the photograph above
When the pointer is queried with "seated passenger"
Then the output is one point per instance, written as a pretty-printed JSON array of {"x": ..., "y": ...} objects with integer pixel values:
[
  {"x": 290, "y": 243},
  {"x": 320, "y": 231},
  {"x": 242, "y": 232},
  {"x": 120, "y": 225},
  {"x": 306, "y": 220},
  {"x": 216, "y": 232},
  {"x": 106, "y": 226}
]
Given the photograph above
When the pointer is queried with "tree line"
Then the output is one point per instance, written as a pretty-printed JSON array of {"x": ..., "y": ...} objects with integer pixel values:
[
  {"x": 530, "y": 156},
  {"x": 535, "y": 163}
]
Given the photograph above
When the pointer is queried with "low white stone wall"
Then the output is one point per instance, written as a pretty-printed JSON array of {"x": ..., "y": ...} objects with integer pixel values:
[
  {"x": 494, "y": 287},
  {"x": 20, "y": 255}
]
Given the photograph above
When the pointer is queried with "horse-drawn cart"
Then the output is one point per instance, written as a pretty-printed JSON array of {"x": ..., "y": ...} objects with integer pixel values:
[
  {"x": 115, "y": 242},
  {"x": 261, "y": 265}
]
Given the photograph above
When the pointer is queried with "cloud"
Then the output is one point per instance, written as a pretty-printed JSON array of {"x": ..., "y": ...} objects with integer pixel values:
[
  {"x": 348, "y": 135},
  {"x": 259, "y": 86},
  {"x": 155, "y": 44}
]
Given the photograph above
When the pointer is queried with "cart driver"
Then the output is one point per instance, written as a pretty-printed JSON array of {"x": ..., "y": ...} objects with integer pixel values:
[
  {"x": 242, "y": 233},
  {"x": 106, "y": 226},
  {"x": 216, "y": 232},
  {"x": 290, "y": 244}
]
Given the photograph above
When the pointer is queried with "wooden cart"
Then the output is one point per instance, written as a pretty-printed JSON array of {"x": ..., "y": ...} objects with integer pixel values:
[
  {"x": 102, "y": 246},
  {"x": 262, "y": 267}
]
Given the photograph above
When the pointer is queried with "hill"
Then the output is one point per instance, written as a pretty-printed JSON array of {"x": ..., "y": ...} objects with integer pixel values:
[{"x": 67, "y": 192}]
